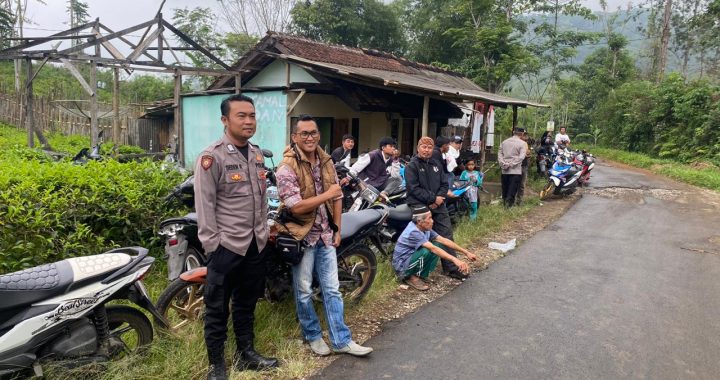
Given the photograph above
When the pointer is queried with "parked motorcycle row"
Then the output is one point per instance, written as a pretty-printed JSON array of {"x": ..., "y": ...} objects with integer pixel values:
[
  {"x": 59, "y": 312},
  {"x": 565, "y": 169}
]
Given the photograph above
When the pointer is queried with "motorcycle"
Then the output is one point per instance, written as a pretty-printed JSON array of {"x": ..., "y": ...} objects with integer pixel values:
[
  {"x": 458, "y": 206},
  {"x": 86, "y": 154},
  {"x": 359, "y": 195},
  {"x": 182, "y": 301},
  {"x": 544, "y": 160},
  {"x": 563, "y": 178},
  {"x": 58, "y": 312},
  {"x": 363, "y": 196},
  {"x": 587, "y": 162},
  {"x": 183, "y": 249}
]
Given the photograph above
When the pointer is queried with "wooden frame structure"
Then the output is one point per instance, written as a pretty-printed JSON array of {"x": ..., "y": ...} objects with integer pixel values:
[{"x": 98, "y": 38}]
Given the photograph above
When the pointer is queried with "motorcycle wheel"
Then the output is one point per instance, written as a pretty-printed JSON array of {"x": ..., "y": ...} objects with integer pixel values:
[
  {"x": 181, "y": 303},
  {"x": 547, "y": 190},
  {"x": 193, "y": 259},
  {"x": 129, "y": 325},
  {"x": 357, "y": 268}
]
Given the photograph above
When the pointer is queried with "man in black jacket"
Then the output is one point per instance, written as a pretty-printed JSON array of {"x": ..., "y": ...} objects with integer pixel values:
[
  {"x": 427, "y": 186},
  {"x": 442, "y": 145}
]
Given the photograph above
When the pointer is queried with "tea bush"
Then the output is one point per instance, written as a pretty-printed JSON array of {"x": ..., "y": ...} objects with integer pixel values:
[{"x": 53, "y": 210}]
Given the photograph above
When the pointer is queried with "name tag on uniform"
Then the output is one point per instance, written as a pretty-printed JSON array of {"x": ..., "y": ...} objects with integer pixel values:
[{"x": 232, "y": 167}]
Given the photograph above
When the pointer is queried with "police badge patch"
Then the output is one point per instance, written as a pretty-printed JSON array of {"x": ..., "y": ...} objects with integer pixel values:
[{"x": 206, "y": 162}]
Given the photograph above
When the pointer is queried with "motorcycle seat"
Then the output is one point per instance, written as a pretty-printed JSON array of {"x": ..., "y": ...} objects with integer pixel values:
[
  {"x": 401, "y": 213},
  {"x": 352, "y": 222},
  {"x": 190, "y": 218},
  {"x": 42, "y": 282}
]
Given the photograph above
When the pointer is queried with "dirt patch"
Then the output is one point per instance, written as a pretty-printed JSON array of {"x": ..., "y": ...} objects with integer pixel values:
[
  {"x": 637, "y": 194},
  {"x": 404, "y": 301},
  {"x": 701, "y": 165}
]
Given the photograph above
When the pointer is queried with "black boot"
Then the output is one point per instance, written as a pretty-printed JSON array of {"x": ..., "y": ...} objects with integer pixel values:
[
  {"x": 247, "y": 358},
  {"x": 216, "y": 357}
]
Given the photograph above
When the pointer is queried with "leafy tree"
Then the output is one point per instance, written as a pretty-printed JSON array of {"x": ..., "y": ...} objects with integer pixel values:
[
  {"x": 706, "y": 25},
  {"x": 198, "y": 23},
  {"x": 78, "y": 11},
  {"x": 356, "y": 23},
  {"x": 492, "y": 44},
  {"x": 235, "y": 45},
  {"x": 425, "y": 23},
  {"x": 552, "y": 45},
  {"x": 7, "y": 20},
  {"x": 603, "y": 71}
]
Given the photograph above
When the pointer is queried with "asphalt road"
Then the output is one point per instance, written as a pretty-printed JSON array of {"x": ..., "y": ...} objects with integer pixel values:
[{"x": 625, "y": 285}]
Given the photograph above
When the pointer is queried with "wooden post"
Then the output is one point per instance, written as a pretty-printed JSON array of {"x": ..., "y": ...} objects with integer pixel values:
[
  {"x": 515, "y": 117},
  {"x": 287, "y": 74},
  {"x": 29, "y": 122},
  {"x": 160, "y": 39},
  {"x": 426, "y": 111},
  {"x": 483, "y": 135},
  {"x": 178, "y": 118},
  {"x": 94, "y": 138},
  {"x": 237, "y": 83},
  {"x": 116, "y": 106}
]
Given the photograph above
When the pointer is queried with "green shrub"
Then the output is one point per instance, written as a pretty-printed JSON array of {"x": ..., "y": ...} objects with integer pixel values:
[{"x": 53, "y": 210}]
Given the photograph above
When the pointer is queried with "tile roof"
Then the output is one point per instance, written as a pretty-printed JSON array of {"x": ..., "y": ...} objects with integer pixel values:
[
  {"x": 349, "y": 56},
  {"x": 369, "y": 65}
]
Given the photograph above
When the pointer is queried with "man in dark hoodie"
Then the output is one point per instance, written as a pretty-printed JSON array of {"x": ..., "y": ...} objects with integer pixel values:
[
  {"x": 427, "y": 185},
  {"x": 442, "y": 146}
]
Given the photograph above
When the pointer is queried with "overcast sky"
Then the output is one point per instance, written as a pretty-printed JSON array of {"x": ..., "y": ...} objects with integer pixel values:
[{"x": 124, "y": 13}]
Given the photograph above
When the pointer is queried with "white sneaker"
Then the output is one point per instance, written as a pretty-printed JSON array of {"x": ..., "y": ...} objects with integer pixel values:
[
  {"x": 354, "y": 349},
  {"x": 319, "y": 347}
]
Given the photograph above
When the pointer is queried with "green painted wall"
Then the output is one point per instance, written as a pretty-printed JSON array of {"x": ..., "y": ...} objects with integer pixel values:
[
  {"x": 274, "y": 75},
  {"x": 202, "y": 125}
]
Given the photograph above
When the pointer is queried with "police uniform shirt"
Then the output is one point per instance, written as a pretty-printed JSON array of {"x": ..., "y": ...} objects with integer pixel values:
[{"x": 230, "y": 197}]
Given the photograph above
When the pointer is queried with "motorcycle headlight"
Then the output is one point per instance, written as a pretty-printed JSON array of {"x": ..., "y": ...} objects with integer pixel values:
[
  {"x": 171, "y": 229},
  {"x": 369, "y": 195}
]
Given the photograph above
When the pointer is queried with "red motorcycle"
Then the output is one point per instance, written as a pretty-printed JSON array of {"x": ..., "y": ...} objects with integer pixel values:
[{"x": 586, "y": 161}]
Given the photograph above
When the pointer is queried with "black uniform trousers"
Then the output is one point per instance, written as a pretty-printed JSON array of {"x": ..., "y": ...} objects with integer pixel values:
[
  {"x": 241, "y": 278},
  {"x": 443, "y": 226},
  {"x": 510, "y": 187}
]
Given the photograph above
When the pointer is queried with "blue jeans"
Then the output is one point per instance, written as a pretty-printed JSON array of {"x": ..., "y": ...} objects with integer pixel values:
[{"x": 323, "y": 261}]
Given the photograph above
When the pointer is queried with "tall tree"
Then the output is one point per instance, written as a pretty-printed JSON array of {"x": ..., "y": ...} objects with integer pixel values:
[
  {"x": 425, "y": 23},
  {"x": 707, "y": 30},
  {"x": 78, "y": 11},
  {"x": 356, "y": 23},
  {"x": 665, "y": 39},
  {"x": 198, "y": 24},
  {"x": 553, "y": 45},
  {"x": 254, "y": 17},
  {"x": 7, "y": 20},
  {"x": 492, "y": 44}
]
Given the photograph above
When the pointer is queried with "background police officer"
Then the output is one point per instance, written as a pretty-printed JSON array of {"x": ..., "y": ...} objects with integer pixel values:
[{"x": 232, "y": 219}]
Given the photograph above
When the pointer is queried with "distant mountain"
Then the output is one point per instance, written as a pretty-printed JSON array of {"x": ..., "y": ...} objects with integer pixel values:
[{"x": 631, "y": 26}]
